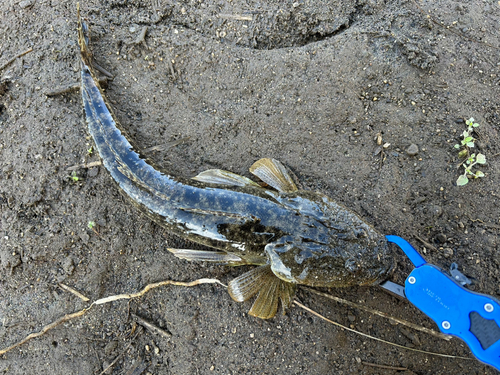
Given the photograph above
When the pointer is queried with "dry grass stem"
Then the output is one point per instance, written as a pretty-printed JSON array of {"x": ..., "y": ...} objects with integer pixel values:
[
  {"x": 74, "y": 291},
  {"x": 237, "y": 17},
  {"x": 384, "y": 366},
  {"x": 375, "y": 338},
  {"x": 382, "y": 314}
]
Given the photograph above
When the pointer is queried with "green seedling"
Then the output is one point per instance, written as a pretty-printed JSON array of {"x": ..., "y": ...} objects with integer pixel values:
[
  {"x": 92, "y": 225},
  {"x": 90, "y": 151},
  {"x": 74, "y": 177},
  {"x": 472, "y": 159}
]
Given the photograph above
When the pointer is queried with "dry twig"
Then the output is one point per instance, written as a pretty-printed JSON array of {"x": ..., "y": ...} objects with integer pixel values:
[
  {"x": 74, "y": 291},
  {"x": 151, "y": 327},
  {"x": 426, "y": 244},
  {"x": 116, "y": 359},
  {"x": 14, "y": 58}
]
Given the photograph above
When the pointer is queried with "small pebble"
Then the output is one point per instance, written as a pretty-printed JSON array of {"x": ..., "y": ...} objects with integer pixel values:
[
  {"x": 68, "y": 266},
  {"x": 93, "y": 172},
  {"x": 110, "y": 347},
  {"x": 435, "y": 210},
  {"x": 84, "y": 237},
  {"x": 441, "y": 238},
  {"x": 412, "y": 150},
  {"x": 447, "y": 252},
  {"x": 26, "y": 3}
]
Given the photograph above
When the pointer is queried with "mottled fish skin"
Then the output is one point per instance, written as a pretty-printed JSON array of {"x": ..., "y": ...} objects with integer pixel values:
[{"x": 306, "y": 237}]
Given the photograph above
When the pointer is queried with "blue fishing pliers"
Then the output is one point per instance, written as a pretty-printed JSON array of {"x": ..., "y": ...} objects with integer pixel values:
[{"x": 470, "y": 316}]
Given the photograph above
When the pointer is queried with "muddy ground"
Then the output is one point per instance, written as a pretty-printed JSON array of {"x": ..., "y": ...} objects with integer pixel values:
[{"x": 311, "y": 83}]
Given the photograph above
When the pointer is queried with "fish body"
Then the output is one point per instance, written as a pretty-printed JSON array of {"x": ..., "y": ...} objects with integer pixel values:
[{"x": 295, "y": 236}]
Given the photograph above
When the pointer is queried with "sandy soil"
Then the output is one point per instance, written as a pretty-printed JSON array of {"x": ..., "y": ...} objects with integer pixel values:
[{"x": 311, "y": 83}]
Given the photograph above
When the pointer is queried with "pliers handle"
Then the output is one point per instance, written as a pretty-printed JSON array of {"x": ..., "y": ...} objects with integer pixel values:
[{"x": 473, "y": 317}]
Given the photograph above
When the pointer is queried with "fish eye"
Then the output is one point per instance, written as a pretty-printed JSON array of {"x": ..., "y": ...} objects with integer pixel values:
[{"x": 352, "y": 266}]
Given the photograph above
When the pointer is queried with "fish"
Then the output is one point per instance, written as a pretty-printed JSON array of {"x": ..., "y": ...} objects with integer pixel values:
[{"x": 292, "y": 236}]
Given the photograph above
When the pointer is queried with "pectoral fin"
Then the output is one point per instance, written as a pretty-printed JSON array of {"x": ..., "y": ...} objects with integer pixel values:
[
  {"x": 273, "y": 173},
  {"x": 220, "y": 257},
  {"x": 221, "y": 177},
  {"x": 270, "y": 290}
]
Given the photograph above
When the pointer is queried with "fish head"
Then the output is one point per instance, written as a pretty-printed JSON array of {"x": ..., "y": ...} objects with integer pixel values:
[{"x": 332, "y": 247}]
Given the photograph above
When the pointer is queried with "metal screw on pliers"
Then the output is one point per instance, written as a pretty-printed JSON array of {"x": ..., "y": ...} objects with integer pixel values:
[
  {"x": 412, "y": 280},
  {"x": 446, "y": 324},
  {"x": 488, "y": 307}
]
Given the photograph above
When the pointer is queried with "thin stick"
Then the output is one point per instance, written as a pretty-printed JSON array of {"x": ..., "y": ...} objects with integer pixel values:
[
  {"x": 166, "y": 146},
  {"x": 382, "y": 314},
  {"x": 384, "y": 366},
  {"x": 237, "y": 17},
  {"x": 151, "y": 327},
  {"x": 89, "y": 165},
  {"x": 427, "y": 244},
  {"x": 74, "y": 291},
  {"x": 45, "y": 329},
  {"x": 63, "y": 89},
  {"x": 375, "y": 338},
  {"x": 14, "y": 58},
  {"x": 116, "y": 359},
  {"x": 71, "y": 87},
  {"x": 102, "y": 70}
]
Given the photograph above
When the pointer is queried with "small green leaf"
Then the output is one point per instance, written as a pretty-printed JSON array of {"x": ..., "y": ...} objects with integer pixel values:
[
  {"x": 462, "y": 154},
  {"x": 457, "y": 146},
  {"x": 470, "y": 144},
  {"x": 481, "y": 159},
  {"x": 462, "y": 180},
  {"x": 465, "y": 134},
  {"x": 479, "y": 174}
]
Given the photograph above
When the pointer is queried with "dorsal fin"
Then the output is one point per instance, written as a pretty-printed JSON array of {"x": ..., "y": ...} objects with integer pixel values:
[{"x": 273, "y": 173}]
